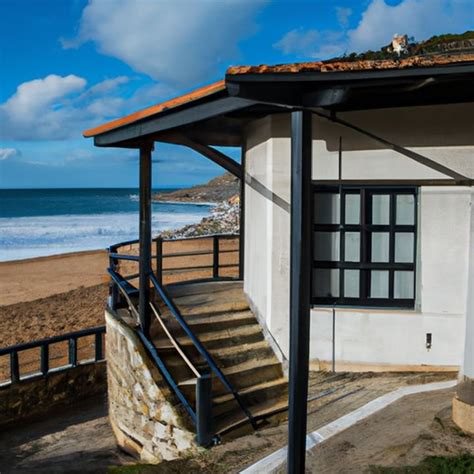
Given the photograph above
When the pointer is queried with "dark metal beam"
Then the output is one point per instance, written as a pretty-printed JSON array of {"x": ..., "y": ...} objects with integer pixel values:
[
  {"x": 214, "y": 155},
  {"x": 300, "y": 286},
  {"x": 424, "y": 160},
  {"x": 145, "y": 237},
  {"x": 242, "y": 217}
]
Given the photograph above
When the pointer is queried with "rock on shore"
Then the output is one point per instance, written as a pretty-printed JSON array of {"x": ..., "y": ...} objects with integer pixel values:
[{"x": 224, "y": 217}]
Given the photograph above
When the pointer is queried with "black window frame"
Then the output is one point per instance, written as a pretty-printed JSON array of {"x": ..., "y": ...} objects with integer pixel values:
[{"x": 365, "y": 227}]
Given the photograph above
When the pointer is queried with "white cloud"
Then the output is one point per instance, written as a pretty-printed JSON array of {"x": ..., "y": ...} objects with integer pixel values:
[
  {"x": 59, "y": 108},
  {"x": 379, "y": 22},
  {"x": 7, "y": 153},
  {"x": 418, "y": 18},
  {"x": 180, "y": 42},
  {"x": 34, "y": 96}
]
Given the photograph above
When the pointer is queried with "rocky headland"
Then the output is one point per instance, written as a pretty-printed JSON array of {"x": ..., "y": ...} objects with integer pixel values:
[{"x": 223, "y": 192}]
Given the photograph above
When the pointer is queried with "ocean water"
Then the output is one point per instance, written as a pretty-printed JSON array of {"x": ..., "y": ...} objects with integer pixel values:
[{"x": 40, "y": 222}]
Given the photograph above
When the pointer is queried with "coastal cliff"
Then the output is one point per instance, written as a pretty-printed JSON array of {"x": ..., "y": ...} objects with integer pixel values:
[{"x": 224, "y": 217}]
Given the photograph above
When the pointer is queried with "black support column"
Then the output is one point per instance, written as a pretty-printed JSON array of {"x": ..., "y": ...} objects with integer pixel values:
[
  {"x": 300, "y": 286},
  {"x": 145, "y": 236},
  {"x": 242, "y": 217}
]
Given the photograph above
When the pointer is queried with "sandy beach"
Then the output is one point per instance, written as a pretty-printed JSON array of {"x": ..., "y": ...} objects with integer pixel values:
[{"x": 46, "y": 296}]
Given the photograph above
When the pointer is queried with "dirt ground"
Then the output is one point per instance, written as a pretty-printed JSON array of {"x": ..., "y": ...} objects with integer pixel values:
[
  {"x": 77, "y": 439},
  {"x": 80, "y": 437}
]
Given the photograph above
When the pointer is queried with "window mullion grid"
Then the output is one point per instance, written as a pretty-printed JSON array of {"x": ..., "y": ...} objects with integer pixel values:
[
  {"x": 342, "y": 237},
  {"x": 364, "y": 246},
  {"x": 391, "y": 258}
]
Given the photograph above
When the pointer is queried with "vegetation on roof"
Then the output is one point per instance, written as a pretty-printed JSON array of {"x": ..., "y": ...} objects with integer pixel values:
[{"x": 440, "y": 44}]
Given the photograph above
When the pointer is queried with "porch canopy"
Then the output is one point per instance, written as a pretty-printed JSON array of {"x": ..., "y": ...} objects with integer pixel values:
[{"x": 217, "y": 115}]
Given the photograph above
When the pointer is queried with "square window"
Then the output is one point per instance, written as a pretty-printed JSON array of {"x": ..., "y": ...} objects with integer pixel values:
[
  {"x": 405, "y": 209},
  {"x": 351, "y": 283},
  {"x": 326, "y": 283},
  {"x": 379, "y": 284},
  {"x": 403, "y": 285},
  {"x": 380, "y": 247},
  {"x": 326, "y": 246},
  {"x": 352, "y": 246},
  {"x": 352, "y": 209},
  {"x": 326, "y": 208},
  {"x": 404, "y": 247},
  {"x": 381, "y": 209}
]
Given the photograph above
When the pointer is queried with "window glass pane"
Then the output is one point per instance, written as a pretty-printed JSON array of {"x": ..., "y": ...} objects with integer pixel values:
[
  {"x": 379, "y": 284},
  {"x": 404, "y": 246},
  {"x": 381, "y": 209},
  {"x": 326, "y": 283},
  {"x": 352, "y": 209},
  {"x": 326, "y": 208},
  {"x": 403, "y": 285},
  {"x": 405, "y": 209},
  {"x": 380, "y": 246},
  {"x": 326, "y": 246},
  {"x": 352, "y": 246},
  {"x": 351, "y": 283}
]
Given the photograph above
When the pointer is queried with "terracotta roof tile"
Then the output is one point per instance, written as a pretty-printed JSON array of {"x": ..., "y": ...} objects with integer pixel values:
[
  {"x": 155, "y": 109},
  {"x": 365, "y": 65}
]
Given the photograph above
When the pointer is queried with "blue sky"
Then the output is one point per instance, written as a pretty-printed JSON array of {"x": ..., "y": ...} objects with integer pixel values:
[{"x": 68, "y": 65}]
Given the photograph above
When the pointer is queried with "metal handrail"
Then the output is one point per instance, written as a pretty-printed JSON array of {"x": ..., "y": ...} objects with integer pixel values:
[
  {"x": 201, "y": 349},
  {"x": 44, "y": 344}
]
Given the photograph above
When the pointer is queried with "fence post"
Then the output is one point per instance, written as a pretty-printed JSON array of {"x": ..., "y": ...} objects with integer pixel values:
[
  {"x": 14, "y": 367},
  {"x": 159, "y": 260},
  {"x": 113, "y": 290},
  {"x": 73, "y": 351},
  {"x": 99, "y": 353},
  {"x": 204, "y": 410},
  {"x": 44, "y": 363},
  {"x": 215, "y": 262}
]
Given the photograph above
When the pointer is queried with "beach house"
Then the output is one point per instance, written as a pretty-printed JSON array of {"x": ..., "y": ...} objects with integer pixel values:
[{"x": 357, "y": 231}]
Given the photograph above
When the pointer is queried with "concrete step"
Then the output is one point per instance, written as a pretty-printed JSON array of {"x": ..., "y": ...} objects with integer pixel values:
[
  {"x": 223, "y": 338},
  {"x": 251, "y": 396}
]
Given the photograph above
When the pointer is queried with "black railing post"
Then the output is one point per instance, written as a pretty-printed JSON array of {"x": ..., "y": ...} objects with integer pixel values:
[
  {"x": 73, "y": 351},
  {"x": 145, "y": 237},
  {"x": 300, "y": 287},
  {"x": 204, "y": 420},
  {"x": 159, "y": 260},
  {"x": 113, "y": 290},
  {"x": 14, "y": 367},
  {"x": 44, "y": 361},
  {"x": 99, "y": 353},
  {"x": 215, "y": 255},
  {"x": 242, "y": 218}
]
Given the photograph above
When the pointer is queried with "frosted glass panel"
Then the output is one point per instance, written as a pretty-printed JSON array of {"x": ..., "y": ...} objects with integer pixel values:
[
  {"x": 351, "y": 283},
  {"x": 352, "y": 247},
  {"x": 381, "y": 209},
  {"x": 326, "y": 208},
  {"x": 326, "y": 283},
  {"x": 404, "y": 246},
  {"x": 326, "y": 246},
  {"x": 380, "y": 246},
  {"x": 379, "y": 284},
  {"x": 405, "y": 209},
  {"x": 353, "y": 209},
  {"x": 403, "y": 285}
]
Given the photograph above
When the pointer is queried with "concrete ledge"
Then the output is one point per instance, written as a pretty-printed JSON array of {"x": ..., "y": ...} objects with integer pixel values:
[
  {"x": 463, "y": 406},
  {"x": 347, "y": 366},
  {"x": 35, "y": 397}
]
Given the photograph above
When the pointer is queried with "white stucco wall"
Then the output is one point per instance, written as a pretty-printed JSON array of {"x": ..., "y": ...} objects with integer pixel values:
[
  {"x": 468, "y": 366},
  {"x": 368, "y": 336}
]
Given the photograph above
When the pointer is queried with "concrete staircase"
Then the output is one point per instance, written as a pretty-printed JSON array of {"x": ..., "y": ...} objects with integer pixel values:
[{"x": 220, "y": 317}]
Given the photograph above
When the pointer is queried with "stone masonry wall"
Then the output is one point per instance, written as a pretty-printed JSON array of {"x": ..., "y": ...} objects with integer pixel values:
[
  {"x": 37, "y": 396},
  {"x": 144, "y": 414}
]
